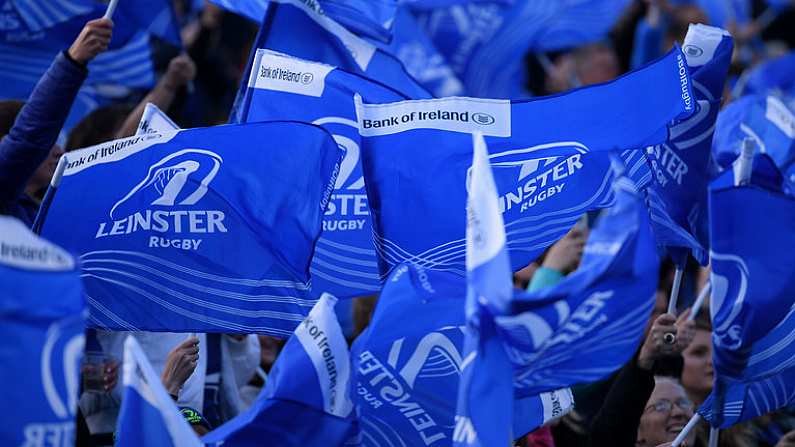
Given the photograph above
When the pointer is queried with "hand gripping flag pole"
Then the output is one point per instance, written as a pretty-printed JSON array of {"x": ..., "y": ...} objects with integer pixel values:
[
  {"x": 111, "y": 8},
  {"x": 38, "y": 221}
]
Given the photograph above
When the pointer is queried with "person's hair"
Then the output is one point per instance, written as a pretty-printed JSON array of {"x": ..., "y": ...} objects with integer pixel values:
[
  {"x": 703, "y": 320},
  {"x": 99, "y": 126},
  {"x": 9, "y": 109}
]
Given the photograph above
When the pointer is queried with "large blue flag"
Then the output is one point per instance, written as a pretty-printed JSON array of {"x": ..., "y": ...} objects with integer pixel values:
[
  {"x": 768, "y": 121},
  {"x": 486, "y": 42},
  {"x": 148, "y": 415},
  {"x": 547, "y": 171},
  {"x": 753, "y": 315},
  {"x": 200, "y": 230},
  {"x": 414, "y": 48},
  {"x": 773, "y": 76},
  {"x": 41, "y": 328},
  {"x": 324, "y": 40},
  {"x": 682, "y": 165},
  {"x": 284, "y": 87},
  {"x": 306, "y": 399}
]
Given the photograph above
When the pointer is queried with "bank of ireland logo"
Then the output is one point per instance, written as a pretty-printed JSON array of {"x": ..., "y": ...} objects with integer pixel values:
[
  {"x": 483, "y": 119},
  {"x": 693, "y": 50},
  {"x": 60, "y": 363},
  {"x": 346, "y": 179},
  {"x": 729, "y": 279},
  {"x": 181, "y": 178},
  {"x": 307, "y": 78}
]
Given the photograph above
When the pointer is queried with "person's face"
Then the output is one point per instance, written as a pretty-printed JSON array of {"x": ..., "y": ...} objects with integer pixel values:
[
  {"x": 43, "y": 174},
  {"x": 697, "y": 372},
  {"x": 666, "y": 414},
  {"x": 269, "y": 350}
]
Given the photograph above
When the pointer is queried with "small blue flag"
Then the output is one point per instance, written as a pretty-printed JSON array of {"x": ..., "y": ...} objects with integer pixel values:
[
  {"x": 548, "y": 172},
  {"x": 682, "y": 165},
  {"x": 324, "y": 40},
  {"x": 41, "y": 328},
  {"x": 753, "y": 316},
  {"x": 768, "y": 121},
  {"x": 206, "y": 230},
  {"x": 306, "y": 399},
  {"x": 486, "y": 42},
  {"x": 148, "y": 415}
]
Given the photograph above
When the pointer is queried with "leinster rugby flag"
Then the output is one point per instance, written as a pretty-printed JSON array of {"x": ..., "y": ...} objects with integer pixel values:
[
  {"x": 200, "y": 230},
  {"x": 280, "y": 86},
  {"x": 306, "y": 398},
  {"x": 752, "y": 279},
  {"x": 41, "y": 328},
  {"x": 540, "y": 149},
  {"x": 677, "y": 199}
]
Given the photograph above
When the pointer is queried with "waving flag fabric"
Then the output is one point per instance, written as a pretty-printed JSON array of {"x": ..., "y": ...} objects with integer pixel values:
[
  {"x": 681, "y": 166},
  {"x": 414, "y": 48},
  {"x": 579, "y": 331},
  {"x": 545, "y": 175},
  {"x": 155, "y": 120},
  {"x": 306, "y": 398},
  {"x": 280, "y": 86},
  {"x": 322, "y": 39},
  {"x": 768, "y": 121},
  {"x": 486, "y": 42},
  {"x": 41, "y": 328},
  {"x": 202, "y": 230},
  {"x": 148, "y": 415},
  {"x": 773, "y": 76},
  {"x": 753, "y": 316}
]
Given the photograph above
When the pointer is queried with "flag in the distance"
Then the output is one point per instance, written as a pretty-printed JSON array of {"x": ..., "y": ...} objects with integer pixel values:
[{"x": 155, "y": 120}]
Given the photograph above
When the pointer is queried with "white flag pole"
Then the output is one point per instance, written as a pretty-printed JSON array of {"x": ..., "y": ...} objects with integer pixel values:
[
  {"x": 111, "y": 8},
  {"x": 714, "y": 435},
  {"x": 680, "y": 271},
  {"x": 691, "y": 424},
  {"x": 44, "y": 207},
  {"x": 702, "y": 296},
  {"x": 744, "y": 163}
]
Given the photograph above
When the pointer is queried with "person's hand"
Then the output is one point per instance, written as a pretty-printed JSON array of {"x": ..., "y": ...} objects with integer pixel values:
[
  {"x": 655, "y": 346},
  {"x": 181, "y": 70},
  {"x": 211, "y": 16},
  {"x": 180, "y": 363},
  {"x": 787, "y": 440},
  {"x": 564, "y": 256},
  {"x": 93, "y": 39},
  {"x": 110, "y": 374}
]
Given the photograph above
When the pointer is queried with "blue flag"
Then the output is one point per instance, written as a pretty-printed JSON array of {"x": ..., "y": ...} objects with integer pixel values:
[
  {"x": 682, "y": 165},
  {"x": 772, "y": 76},
  {"x": 414, "y": 48},
  {"x": 768, "y": 121},
  {"x": 306, "y": 399},
  {"x": 324, "y": 40},
  {"x": 753, "y": 316},
  {"x": 155, "y": 120},
  {"x": 284, "y": 87},
  {"x": 148, "y": 415},
  {"x": 548, "y": 172},
  {"x": 41, "y": 325},
  {"x": 486, "y": 43},
  {"x": 200, "y": 230}
]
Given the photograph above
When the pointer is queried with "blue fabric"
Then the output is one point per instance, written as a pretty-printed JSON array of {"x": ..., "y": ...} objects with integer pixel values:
[
  {"x": 344, "y": 262},
  {"x": 323, "y": 40},
  {"x": 41, "y": 325},
  {"x": 35, "y": 132},
  {"x": 752, "y": 310},
  {"x": 203, "y": 232},
  {"x": 306, "y": 397},
  {"x": 647, "y": 43},
  {"x": 415, "y": 50},
  {"x": 772, "y": 76},
  {"x": 768, "y": 121},
  {"x": 682, "y": 165},
  {"x": 579, "y": 331},
  {"x": 486, "y": 43},
  {"x": 433, "y": 4},
  {"x": 543, "y": 188}
]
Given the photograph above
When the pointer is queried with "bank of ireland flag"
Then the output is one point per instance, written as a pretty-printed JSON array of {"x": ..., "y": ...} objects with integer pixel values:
[
  {"x": 283, "y": 87},
  {"x": 303, "y": 30},
  {"x": 682, "y": 166},
  {"x": 155, "y": 120},
  {"x": 768, "y": 121},
  {"x": 148, "y": 415},
  {"x": 752, "y": 310},
  {"x": 41, "y": 324},
  {"x": 548, "y": 171},
  {"x": 199, "y": 230},
  {"x": 306, "y": 399}
]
